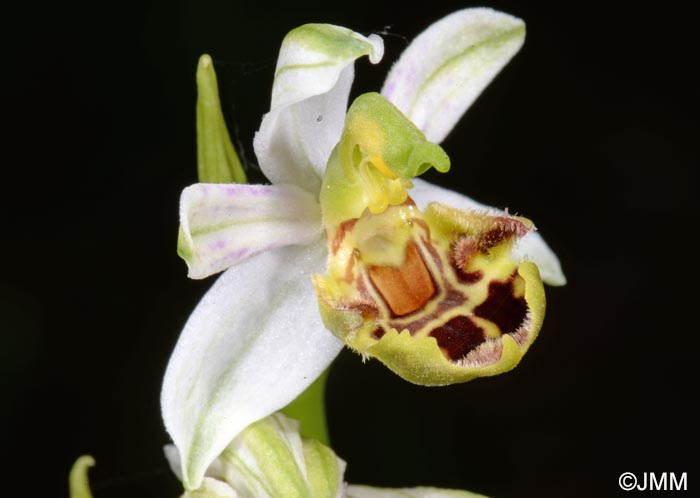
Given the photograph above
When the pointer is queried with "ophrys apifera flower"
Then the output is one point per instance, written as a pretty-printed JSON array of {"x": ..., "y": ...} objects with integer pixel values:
[{"x": 438, "y": 294}]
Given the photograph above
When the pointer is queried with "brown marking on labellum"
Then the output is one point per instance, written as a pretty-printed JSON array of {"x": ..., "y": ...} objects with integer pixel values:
[
  {"x": 349, "y": 276},
  {"x": 463, "y": 250},
  {"x": 502, "y": 307},
  {"x": 366, "y": 309},
  {"x": 405, "y": 289},
  {"x": 502, "y": 228},
  {"x": 458, "y": 337},
  {"x": 378, "y": 333},
  {"x": 453, "y": 299},
  {"x": 344, "y": 227},
  {"x": 432, "y": 252},
  {"x": 362, "y": 287}
]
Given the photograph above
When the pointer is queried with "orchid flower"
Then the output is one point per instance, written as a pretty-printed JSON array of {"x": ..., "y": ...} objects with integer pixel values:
[
  {"x": 269, "y": 459},
  {"x": 439, "y": 292}
]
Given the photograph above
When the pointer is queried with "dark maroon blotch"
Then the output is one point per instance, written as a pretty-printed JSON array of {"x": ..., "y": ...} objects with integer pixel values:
[
  {"x": 468, "y": 278},
  {"x": 378, "y": 333},
  {"x": 502, "y": 307},
  {"x": 459, "y": 336}
]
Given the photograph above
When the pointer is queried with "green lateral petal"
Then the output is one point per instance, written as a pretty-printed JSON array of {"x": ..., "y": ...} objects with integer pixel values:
[
  {"x": 531, "y": 247},
  {"x": 221, "y": 225},
  {"x": 270, "y": 460},
  {"x": 358, "y": 491},
  {"x": 253, "y": 343},
  {"x": 449, "y": 64},
  {"x": 309, "y": 100},
  {"x": 217, "y": 161}
]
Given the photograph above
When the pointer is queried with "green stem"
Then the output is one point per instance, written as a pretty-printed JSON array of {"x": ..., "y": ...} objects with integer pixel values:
[{"x": 310, "y": 410}]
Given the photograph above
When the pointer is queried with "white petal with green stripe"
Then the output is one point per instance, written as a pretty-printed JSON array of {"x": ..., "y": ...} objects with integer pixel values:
[
  {"x": 270, "y": 460},
  {"x": 251, "y": 346},
  {"x": 531, "y": 247},
  {"x": 309, "y": 99},
  {"x": 222, "y": 225},
  {"x": 448, "y": 65},
  {"x": 419, "y": 492}
]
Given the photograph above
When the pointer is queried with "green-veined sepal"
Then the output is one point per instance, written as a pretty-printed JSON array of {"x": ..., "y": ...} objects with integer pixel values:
[
  {"x": 448, "y": 65},
  {"x": 313, "y": 77}
]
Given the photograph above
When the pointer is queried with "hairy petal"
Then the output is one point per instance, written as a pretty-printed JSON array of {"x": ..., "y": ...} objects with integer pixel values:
[
  {"x": 449, "y": 64},
  {"x": 531, "y": 247},
  {"x": 253, "y": 343},
  {"x": 309, "y": 99},
  {"x": 358, "y": 491},
  {"x": 221, "y": 225}
]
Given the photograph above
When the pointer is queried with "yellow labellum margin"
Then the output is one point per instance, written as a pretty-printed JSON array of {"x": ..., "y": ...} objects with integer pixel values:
[{"x": 436, "y": 296}]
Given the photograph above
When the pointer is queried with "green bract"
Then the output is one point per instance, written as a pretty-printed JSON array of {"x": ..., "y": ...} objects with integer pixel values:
[
  {"x": 78, "y": 485},
  {"x": 217, "y": 161}
]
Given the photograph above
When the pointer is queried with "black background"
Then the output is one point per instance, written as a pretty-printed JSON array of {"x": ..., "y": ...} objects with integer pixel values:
[{"x": 591, "y": 132}]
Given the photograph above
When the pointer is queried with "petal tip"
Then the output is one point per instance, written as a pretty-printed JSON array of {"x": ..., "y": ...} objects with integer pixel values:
[{"x": 377, "y": 52}]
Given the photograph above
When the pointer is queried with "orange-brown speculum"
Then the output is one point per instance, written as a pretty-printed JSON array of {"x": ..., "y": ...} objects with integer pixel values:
[{"x": 406, "y": 288}]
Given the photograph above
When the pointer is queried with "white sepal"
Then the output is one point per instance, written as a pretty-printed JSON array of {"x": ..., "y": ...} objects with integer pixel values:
[
  {"x": 449, "y": 64},
  {"x": 254, "y": 342},
  {"x": 309, "y": 100}
]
